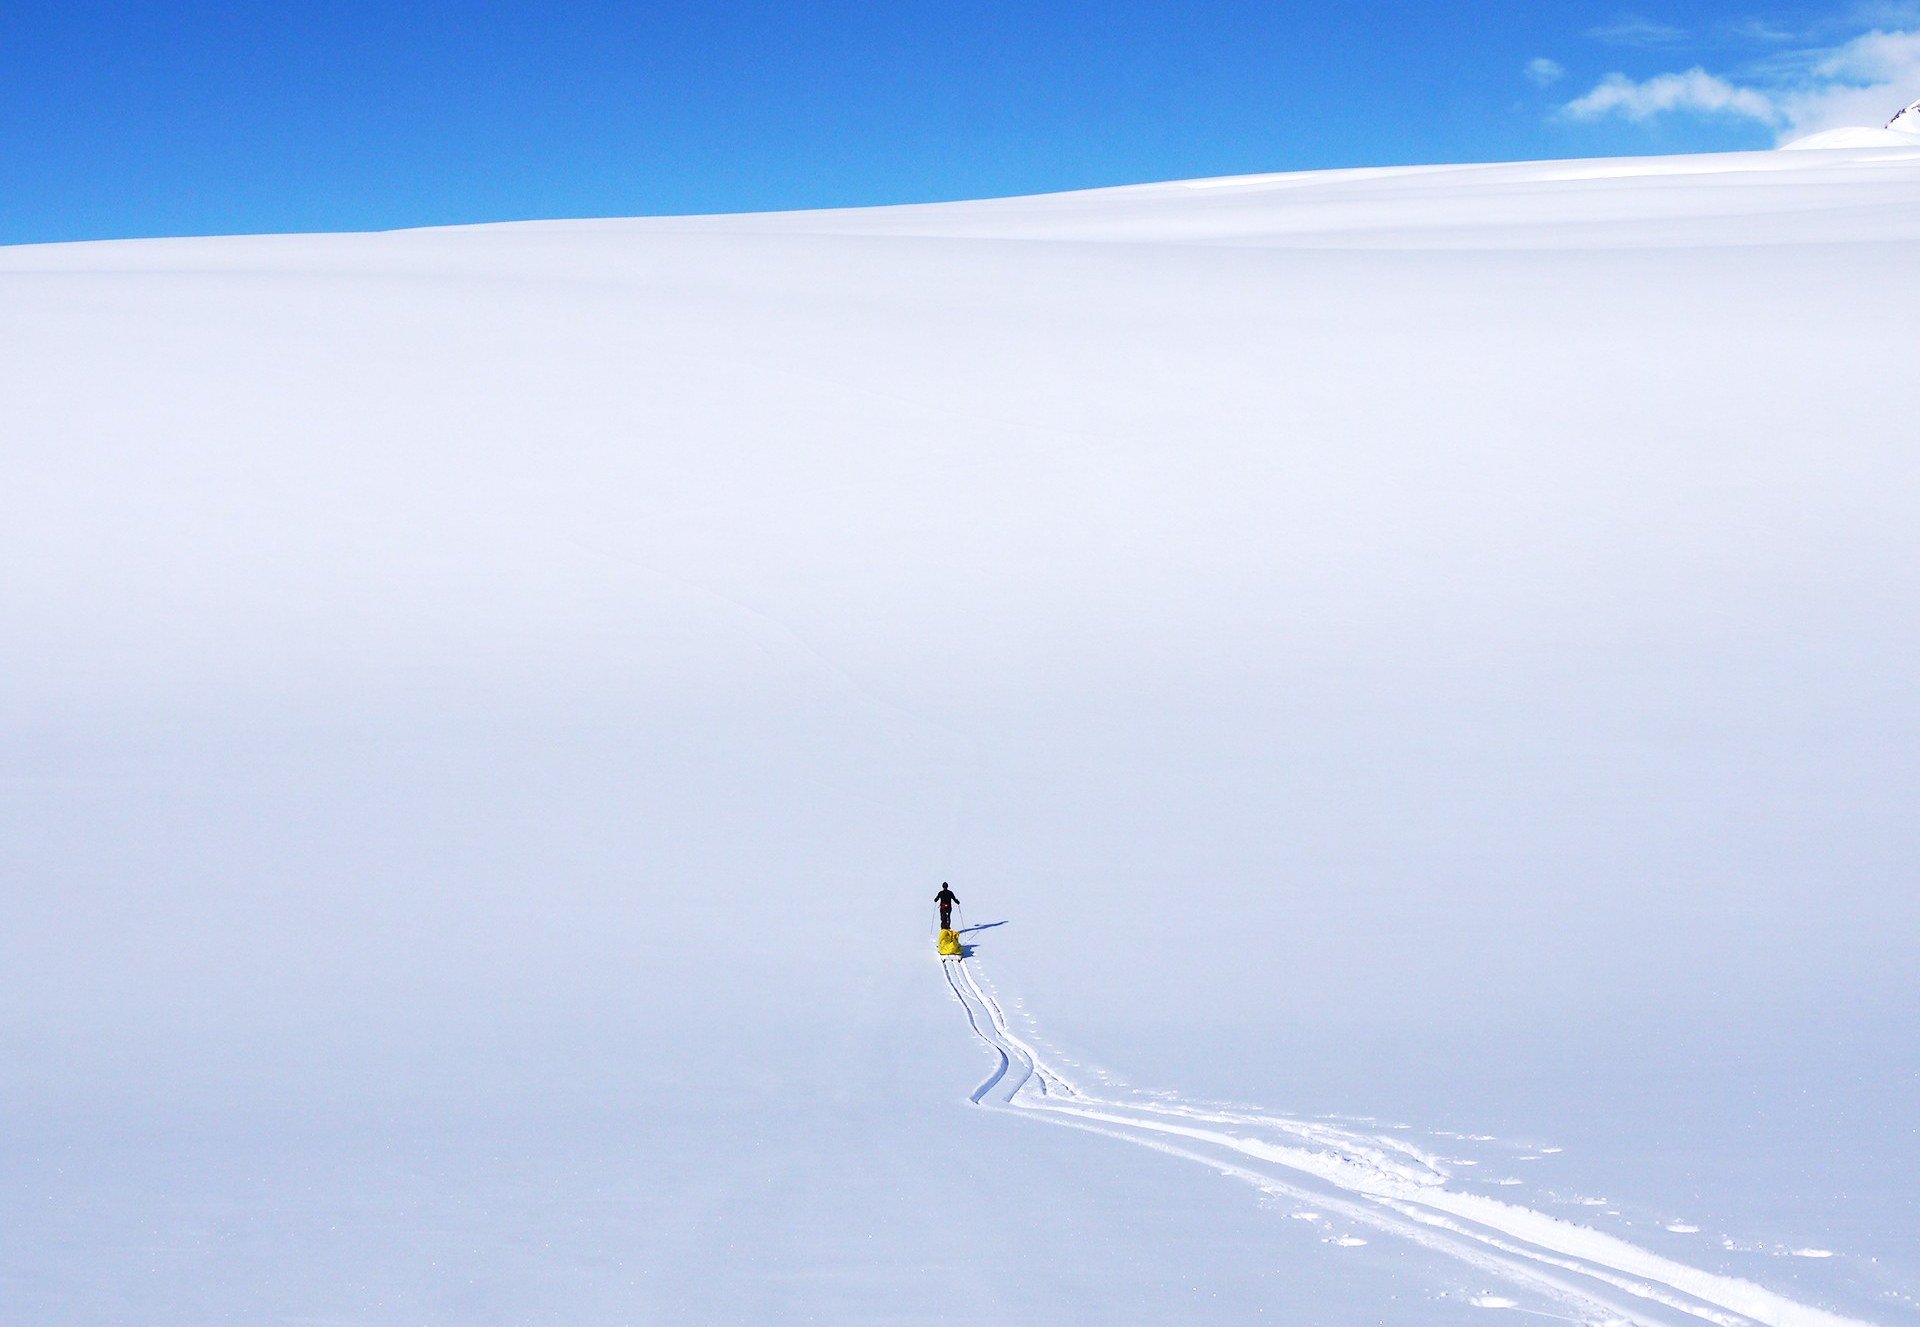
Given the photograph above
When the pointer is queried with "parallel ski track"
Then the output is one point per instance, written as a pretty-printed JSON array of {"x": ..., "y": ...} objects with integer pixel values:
[{"x": 1385, "y": 1184}]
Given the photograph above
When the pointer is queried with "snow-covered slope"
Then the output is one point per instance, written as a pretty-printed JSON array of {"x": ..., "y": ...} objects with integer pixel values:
[
  {"x": 1857, "y": 136},
  {"x": 1902, "y": 131},
  {"x": 1410, "y": 670}
]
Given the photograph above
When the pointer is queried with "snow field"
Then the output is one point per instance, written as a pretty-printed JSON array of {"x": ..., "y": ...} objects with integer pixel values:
[{"x": 486, "y": 711}]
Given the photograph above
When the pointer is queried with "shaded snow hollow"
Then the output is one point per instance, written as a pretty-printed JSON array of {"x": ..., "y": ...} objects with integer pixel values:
[{"x": 1409, "y": 671}]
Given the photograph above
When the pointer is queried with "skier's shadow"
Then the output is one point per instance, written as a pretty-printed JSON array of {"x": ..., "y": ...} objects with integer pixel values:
[{"x": 966, "y": 950}]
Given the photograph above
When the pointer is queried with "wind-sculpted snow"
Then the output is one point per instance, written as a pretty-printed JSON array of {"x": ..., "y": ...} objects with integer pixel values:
[{"x": 1384, "y": 1184}]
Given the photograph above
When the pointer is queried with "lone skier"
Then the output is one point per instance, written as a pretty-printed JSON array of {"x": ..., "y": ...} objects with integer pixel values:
[{"x": 946, "y": 898}]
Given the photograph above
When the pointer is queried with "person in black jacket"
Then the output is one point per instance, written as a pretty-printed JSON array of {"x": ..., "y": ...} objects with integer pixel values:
[{"x": 946, "y": 898}]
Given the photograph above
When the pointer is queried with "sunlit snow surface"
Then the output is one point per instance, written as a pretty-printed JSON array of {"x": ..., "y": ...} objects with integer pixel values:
[{"x": 1421, "y": 662}]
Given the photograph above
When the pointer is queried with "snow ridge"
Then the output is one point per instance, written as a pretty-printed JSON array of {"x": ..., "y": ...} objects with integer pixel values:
[{"x": 1387, "y": 1184}]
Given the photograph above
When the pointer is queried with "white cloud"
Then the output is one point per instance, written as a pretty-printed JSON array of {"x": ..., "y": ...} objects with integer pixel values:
[
  {"x": 1695, "y": 90},
  {"x": 1632, "y": 30},
  {"x": 1860, "y": 81},
  {"x": 1542, "y": 71},
  {"x": 1758, "y": 30},
  {"x": 1873, "y": 57}
]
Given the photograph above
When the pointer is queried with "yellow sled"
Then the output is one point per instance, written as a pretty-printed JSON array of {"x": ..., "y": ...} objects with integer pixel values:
[{"x": 950, "y": 946}]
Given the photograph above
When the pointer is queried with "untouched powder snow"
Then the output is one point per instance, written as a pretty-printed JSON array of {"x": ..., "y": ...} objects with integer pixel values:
[{"x": 1408, "y": 671}]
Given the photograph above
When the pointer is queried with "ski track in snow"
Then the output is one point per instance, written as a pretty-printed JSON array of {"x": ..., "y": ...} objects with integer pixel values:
[{"x": 1386, "y": 1184}]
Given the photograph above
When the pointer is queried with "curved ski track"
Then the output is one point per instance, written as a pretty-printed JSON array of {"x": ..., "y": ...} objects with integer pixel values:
[{"x": 1384, "y": 1183}]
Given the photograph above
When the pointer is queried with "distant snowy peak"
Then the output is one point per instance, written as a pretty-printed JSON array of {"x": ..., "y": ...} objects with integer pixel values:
[{"x": 1903, "y": 130}]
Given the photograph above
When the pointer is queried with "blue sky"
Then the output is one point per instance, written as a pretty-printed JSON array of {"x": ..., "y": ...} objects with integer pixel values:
[{"x": 149, "y": 119}]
